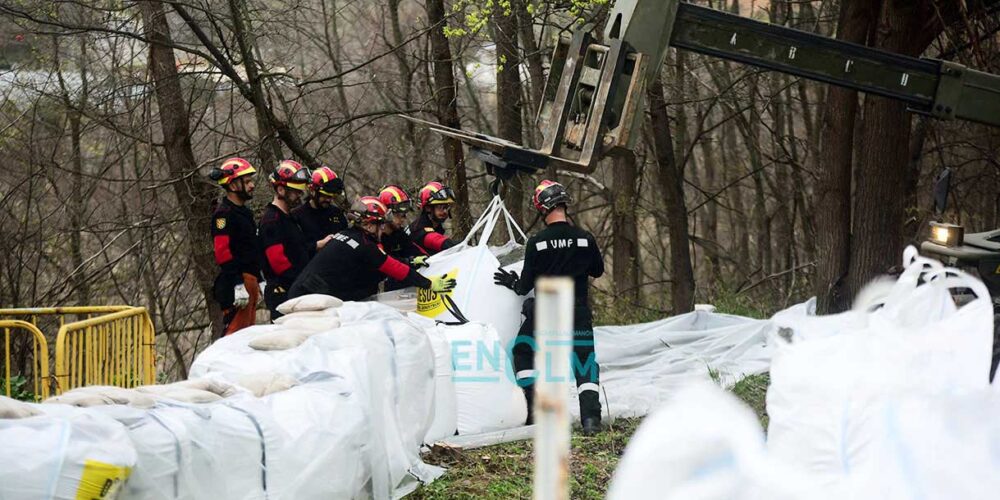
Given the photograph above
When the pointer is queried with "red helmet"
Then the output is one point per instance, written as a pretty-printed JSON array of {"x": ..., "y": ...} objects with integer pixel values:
[
  {"x": 395, "y": 198},
  {"x": 435, "y": 193},
  {"x": 290, "y": 174},
  {"x": 231, "y": 170},
  {"x": 367, "y": 209},
  {"x": 326, "y": 182},
  {"x": 549, "y": 195}
]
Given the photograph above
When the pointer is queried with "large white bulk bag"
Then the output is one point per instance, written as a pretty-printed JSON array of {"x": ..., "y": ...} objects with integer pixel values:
[
  {"x": 705, "y": 445},
  {"x": 67, "y": 453},
  {"x": 234, "y": 445},
  {"x": 933, "y": 446},
  {"x": 354, "y": 312},
  {"x": 396, "y": 366},
  {"x": 487, "y": 397},
  {"x": 329, "y": 444},
  {"x": 445, "y": 421},
  {"x": 233, "y": 354},
  {"x": 831, "y": 375},
  {"x": 165, "y": 463},
  {"x": 475, "y": 297},
  {"x": 384, "y": 354}
]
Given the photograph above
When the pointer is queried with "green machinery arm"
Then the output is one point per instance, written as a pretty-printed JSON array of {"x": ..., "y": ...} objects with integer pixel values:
[
  {"x": 938, "y": 88},
  {"x": 595, "y": 91}
]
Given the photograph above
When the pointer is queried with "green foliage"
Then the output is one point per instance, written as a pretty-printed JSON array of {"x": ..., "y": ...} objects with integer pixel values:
[
  {"x": 19, "y": 388},
  {"x": 475, "y": 14},
  {"x": 741, "y": 304},
  {"x": 753, "y": 391},
  {"x": 608, "y": 311},
  {"x": 505, "y": 471},
  {"x": 715, "y": 375}
]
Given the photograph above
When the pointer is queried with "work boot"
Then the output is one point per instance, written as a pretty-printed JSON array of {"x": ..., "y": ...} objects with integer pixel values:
[
  {"x": 590, "y": 412},
  {"x": 591, "y": 425},
  {"x": 529, "y": 397}
]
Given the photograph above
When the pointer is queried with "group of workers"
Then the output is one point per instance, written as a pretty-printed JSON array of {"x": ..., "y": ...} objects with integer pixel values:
[{"x": 311, "y": 241}]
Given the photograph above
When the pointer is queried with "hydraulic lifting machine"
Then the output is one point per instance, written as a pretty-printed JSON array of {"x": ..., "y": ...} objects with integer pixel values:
[{"x": 593, "y": 100}]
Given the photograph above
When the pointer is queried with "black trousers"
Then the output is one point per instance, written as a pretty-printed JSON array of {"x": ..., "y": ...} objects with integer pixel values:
[{"x": 583, "y": 362}]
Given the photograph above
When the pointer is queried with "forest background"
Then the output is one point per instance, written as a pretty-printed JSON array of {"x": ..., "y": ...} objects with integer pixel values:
[{"x": 745, "y": 185}]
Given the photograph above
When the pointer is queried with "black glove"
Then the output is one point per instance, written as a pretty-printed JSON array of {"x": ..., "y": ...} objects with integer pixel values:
[{"x": 505, "y": 278}]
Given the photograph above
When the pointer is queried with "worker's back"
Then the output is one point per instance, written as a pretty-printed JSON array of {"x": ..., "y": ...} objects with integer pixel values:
[
  {"x": 562, "y": 249},
  {"x": 341, "y": 269}
]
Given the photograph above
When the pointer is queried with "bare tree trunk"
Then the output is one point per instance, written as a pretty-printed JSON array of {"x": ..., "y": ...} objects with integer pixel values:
[
  {"x": 194, "y": 198},
  {"x": 883, "y": 173},
  {"x": 78, "y": 211},
  {"x": 751, "y": 140},
  {"x": 331, "y": 33},
  {"x": 446, "y": 98},
  {"x": 77, "y": 208},
  {"x": 532, "y": 55},
  {"x": 406, "y": 76},
  {"x": 782, "y": 189},
  {"x": 509, "y": 104},
  {"x": 625, "y": 227},
  {"x": 710, "y": 219},
  {"x": 671, "y": 181},
  {"x": 738, "y": 220},
  {"x": 803, "y": 202},
  {"x": 835, "y": 160},
  {"x": 269, "y": 151}
]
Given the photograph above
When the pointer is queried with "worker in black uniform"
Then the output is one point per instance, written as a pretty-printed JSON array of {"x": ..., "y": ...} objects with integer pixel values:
[
  {"x": 561, "y": 249},
  {"x": 234, "y": 239},
  {"x": 427, "y": 232},
  {"x": 323, "y": 214},
  {"x": 353, "y": 264},
  {"x": 286, "y": 249},
  {"x": 397, "y": 243}
]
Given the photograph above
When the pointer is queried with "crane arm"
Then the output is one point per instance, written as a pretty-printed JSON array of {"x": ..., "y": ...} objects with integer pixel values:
[{"x": 594, "y": 97}]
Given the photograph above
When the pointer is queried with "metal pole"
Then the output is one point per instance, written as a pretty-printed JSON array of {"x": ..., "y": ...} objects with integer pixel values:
[{"x": 554, "y": 338}]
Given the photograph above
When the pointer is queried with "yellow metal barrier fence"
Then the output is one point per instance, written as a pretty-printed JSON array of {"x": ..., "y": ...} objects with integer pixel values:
[
  {"x": 39, "y": 364},
  {"x": 112, "y": 349},
  {"x": 106, "y": 345}
]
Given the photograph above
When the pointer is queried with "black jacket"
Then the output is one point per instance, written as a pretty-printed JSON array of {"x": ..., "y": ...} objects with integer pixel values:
[
  {"x": 427, "y": 237},
  {"x": 234, "y": 239},
  {"x": 318, "y": 223},
  {"x": 350, "y": 267},
  {"x": 561, "y": 249},
  {"x": 285, "y": 251},
  {"x": 398, "y": 245}
]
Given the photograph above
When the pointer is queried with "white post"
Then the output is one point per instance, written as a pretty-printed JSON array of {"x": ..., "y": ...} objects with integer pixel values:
[{"x": 554, "y": 338}]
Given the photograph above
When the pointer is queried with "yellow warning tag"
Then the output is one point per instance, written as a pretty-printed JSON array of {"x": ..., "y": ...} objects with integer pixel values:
[
  {"x": 430, "y": 303},
  {"x": 998, "y": 270},
  {"x": 220, "y": 223},
  {"x": 101, "y": 480}
]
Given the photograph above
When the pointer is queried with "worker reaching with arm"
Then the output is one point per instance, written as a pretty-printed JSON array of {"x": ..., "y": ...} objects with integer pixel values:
[
  {"x": 286, "y": 249},
  {"x": 234, "y": 239},
  {"x": 353, "y": 264},
  {"x": 561, "y": 249},
  {"x": 427, "y": 232},
  {"x": 323, "y": 214}
]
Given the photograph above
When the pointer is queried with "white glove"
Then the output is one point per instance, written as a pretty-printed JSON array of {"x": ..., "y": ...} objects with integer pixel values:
[
  {"x": 263, "y": 285},
  {"x": 241, "y": 297}
]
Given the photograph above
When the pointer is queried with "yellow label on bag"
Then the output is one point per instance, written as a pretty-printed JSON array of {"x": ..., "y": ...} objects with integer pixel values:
[
  {"x": 430, "y": 303},
  {"x": 101, "y": 480}
]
